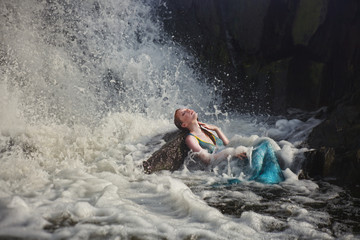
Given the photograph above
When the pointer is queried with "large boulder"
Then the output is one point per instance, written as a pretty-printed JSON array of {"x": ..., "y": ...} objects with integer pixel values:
[{"x": 170, "y": 156}]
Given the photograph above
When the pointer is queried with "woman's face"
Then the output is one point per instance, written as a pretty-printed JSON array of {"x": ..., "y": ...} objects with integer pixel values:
[{"x": 186, "y": 116}]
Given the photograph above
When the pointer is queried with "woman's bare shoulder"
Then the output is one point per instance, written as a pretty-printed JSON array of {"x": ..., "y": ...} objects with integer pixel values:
[
  {"x": 192, "y": 143},
  {"x": 190, "y": 138}
]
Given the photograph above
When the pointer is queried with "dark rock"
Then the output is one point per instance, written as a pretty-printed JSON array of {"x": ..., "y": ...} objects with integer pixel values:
[
  {"x": 170, "y": 156},
  {"x": 337, "y": 144}
]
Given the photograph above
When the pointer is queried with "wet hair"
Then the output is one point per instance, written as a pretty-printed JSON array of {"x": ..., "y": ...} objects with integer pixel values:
[{"x": 177, "y": 121}]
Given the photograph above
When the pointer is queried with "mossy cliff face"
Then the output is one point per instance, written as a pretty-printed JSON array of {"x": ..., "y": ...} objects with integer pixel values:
[
  {"x": 274, "y": 54},
  {"x": 310, "y": 14}
]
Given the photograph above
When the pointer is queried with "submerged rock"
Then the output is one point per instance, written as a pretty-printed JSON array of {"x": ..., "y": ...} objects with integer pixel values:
[{"x": 170, "y": 156}]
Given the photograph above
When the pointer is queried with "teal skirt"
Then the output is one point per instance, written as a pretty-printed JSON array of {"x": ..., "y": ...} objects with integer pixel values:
[{"x": 264, "y": 166}]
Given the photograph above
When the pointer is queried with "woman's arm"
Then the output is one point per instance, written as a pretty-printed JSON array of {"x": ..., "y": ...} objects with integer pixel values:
[
  {"x": 193, "y": 144},
  {"x": 203, "y": 154},
  {"x": 214, "y": 158}
]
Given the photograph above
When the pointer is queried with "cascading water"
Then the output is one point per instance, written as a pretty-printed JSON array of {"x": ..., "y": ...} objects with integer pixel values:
[
  {"x": 77, "y": 61},
  {"x": 86, "y": 87}
]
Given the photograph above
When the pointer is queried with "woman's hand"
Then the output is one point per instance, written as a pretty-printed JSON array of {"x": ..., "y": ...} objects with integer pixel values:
[
  {"x": 241, "y": 156},
  {"x": 208, "y": 126},
  {"x": 218, "y": 131}
]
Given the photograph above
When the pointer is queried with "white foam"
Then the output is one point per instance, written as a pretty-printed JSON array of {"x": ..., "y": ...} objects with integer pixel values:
[
  {"x": 19, "y": 219},
  {"x": 293, "y": 130}
]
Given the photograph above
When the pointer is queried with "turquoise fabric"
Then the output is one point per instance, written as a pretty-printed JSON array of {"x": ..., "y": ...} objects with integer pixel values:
[
  {"x": 210, "y": 147},
  {"x": 264, "y": 165}
]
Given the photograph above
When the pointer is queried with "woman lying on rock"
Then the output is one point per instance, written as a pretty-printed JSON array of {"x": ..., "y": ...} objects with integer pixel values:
[{"x": 262, "y": 164}]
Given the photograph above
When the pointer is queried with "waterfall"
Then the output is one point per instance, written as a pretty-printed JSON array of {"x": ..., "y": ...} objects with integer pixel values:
[{"x": 73, "y": 61}]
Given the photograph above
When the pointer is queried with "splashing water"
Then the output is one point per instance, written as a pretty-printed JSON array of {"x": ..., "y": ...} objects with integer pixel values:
[
  {"x": 87, "y": 89},
  {"x": 73, "y": 62}
]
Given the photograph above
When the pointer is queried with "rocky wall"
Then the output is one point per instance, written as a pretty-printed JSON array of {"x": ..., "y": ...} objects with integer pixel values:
[{"x": 274, "y": 53}]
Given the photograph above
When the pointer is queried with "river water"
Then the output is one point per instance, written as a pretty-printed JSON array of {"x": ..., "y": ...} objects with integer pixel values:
[{"x": 87, "y": 90}]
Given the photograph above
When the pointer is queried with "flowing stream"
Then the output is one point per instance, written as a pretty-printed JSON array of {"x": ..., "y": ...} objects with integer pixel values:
[{"x": 87, "y": 90}]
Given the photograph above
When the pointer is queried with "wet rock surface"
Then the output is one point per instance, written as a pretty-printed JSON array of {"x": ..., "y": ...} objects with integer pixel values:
[
  {"x": 337, "y": 144},
  {"x": 170, "y": 156}
]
